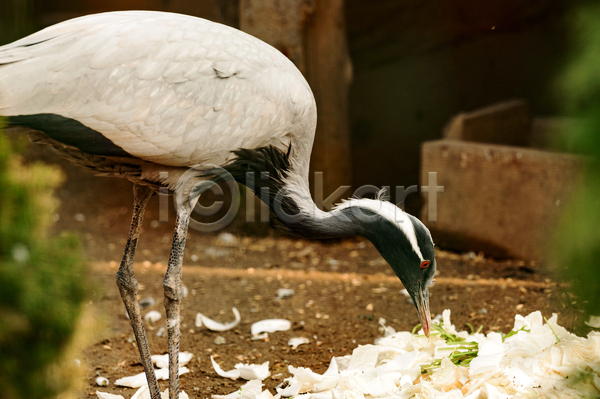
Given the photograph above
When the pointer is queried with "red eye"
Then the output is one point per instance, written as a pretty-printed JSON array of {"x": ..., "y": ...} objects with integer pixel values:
[{"x": 425, "y": 264}]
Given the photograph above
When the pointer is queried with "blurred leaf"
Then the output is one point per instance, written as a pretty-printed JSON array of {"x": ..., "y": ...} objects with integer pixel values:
[
  {"x": 577, "y": 250},
  {"x": 41, "y": 290}
]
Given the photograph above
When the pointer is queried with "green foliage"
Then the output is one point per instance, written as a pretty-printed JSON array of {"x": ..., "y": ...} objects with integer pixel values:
[
  {"x": 41, "y": 288},
  {"x": 577, "y": 249},
  {"x": 461, "y": 351},
  {"x": 514, "y": 332}
]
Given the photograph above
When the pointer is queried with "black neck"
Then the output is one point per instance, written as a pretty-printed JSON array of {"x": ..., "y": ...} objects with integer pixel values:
[{"x": 266, "y": 171}]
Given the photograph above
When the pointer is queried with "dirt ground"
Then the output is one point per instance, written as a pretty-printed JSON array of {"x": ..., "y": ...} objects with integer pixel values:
[{"x": 342, "y": 289}]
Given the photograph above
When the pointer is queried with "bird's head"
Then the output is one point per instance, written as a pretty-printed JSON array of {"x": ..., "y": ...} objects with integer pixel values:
[{"x": 405, "y": 243}]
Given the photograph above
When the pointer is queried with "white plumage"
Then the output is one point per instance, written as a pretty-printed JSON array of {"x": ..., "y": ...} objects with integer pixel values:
[{"x": 166, "y": 88}]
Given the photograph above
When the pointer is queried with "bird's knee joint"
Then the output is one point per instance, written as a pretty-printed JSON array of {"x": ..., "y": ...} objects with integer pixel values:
[
  {"x": 127, "y": 282},
  {"x": 172, "y": 291}
]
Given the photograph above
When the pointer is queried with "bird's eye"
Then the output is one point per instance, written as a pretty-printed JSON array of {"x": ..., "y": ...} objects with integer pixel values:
[{"x": 425, "y": 264}]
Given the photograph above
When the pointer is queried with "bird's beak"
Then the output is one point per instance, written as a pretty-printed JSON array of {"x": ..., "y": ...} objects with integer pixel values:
[{"x": 422, "y": 304}]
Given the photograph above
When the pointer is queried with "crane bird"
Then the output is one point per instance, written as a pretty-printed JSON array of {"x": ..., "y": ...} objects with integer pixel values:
[{"x": 135, "y": 94}]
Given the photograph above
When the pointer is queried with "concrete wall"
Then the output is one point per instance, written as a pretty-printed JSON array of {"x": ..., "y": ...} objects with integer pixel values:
[{"x": 501, "y": 200}]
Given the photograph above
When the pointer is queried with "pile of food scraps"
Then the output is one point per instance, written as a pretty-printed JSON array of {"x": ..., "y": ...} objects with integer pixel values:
[{"x": 537, "y": 359}]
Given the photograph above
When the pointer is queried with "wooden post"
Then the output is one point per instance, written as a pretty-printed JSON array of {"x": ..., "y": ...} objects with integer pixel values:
[
  {"x": 281, "y": 24},
  {"x": 329, "y": 73},
  {"x": 313, "y": 35},
  {"x": 229, "y": 12}
]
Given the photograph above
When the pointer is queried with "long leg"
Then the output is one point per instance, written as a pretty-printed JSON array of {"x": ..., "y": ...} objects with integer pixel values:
[
  {"x": 128, "y": 285},
  {"x": 172, "y": 281},
  {"x": 173, "y": 295},
  {"x": 185, "y": 200}
]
